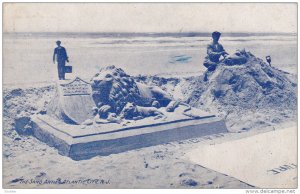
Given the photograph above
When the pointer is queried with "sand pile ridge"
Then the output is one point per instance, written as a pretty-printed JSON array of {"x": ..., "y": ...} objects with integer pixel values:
[{"x": 254, "y": 84}]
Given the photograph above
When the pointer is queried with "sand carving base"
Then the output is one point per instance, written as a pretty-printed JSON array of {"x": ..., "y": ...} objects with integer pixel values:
[{"x": 83, "y": 143}]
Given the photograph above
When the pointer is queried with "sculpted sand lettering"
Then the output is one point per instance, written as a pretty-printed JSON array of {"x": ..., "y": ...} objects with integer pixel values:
[
  {"x": 283, "y": 168},
  {"x": 77, "y": 87}
]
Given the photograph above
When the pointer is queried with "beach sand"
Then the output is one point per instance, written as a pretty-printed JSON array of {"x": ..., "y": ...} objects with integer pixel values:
[{"x": 161, "y": 166}]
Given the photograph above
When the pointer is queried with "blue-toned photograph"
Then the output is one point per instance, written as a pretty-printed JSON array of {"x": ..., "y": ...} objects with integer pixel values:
[{"x": 149, "y": 96}]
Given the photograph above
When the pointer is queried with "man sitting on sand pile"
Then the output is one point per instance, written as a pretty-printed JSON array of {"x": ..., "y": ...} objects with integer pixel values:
[{"x": 214, "y": 51}]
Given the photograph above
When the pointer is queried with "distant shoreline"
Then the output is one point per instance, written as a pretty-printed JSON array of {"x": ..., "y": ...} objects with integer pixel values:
[{"x": 142, "y": 34}]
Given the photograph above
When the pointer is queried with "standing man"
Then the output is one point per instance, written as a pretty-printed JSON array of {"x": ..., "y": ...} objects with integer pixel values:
[
  {"x": 214, "y": 51},
  {"x": 61, "y": 58}
]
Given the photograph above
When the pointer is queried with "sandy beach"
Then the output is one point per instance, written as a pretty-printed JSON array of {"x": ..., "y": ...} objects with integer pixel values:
[{"x": 176, "y": 59}]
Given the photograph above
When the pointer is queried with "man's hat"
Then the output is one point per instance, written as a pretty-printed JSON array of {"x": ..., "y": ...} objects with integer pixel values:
[
  {"x": 58, "y": 42},
  {"x": 216, "y": 34}
]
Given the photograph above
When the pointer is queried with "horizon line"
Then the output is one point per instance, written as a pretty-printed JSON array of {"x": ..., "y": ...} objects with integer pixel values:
[{"x": 171, "y": 32}]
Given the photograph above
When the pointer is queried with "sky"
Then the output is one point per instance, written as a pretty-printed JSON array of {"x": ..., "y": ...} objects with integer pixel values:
[{"x": 150, "y": 17}]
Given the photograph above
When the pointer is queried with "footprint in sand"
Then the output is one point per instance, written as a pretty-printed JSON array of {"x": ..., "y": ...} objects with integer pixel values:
[
  {"x": 110, "y": 167},
  {"x": 179, "y": 164},
  {"x": 189, "y": 183},
  {"x": 41, "y": 175},
  {"x": 184, "y": 174}
]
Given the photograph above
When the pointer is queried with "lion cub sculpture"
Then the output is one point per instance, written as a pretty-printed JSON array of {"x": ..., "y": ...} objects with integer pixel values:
[{"x": 131, "y": 111}]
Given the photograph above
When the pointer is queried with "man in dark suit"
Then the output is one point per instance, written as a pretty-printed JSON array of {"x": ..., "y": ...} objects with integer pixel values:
[{"x": 61, "y": 58}]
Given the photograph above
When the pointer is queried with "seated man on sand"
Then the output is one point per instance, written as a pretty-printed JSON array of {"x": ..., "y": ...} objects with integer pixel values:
[{"x": 214, "y": 51}]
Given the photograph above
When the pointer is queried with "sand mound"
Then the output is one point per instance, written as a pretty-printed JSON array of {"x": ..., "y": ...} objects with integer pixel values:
[
  {"x": 23, "y": 102},
  {"x": 234, "y": 88}
]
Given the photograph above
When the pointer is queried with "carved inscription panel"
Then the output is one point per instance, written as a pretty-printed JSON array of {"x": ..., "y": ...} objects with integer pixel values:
[{"x": 76, "y": 87}]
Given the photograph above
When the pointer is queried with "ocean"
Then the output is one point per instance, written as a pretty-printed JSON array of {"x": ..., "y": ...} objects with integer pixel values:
[{"x": 27, "y": 57}]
